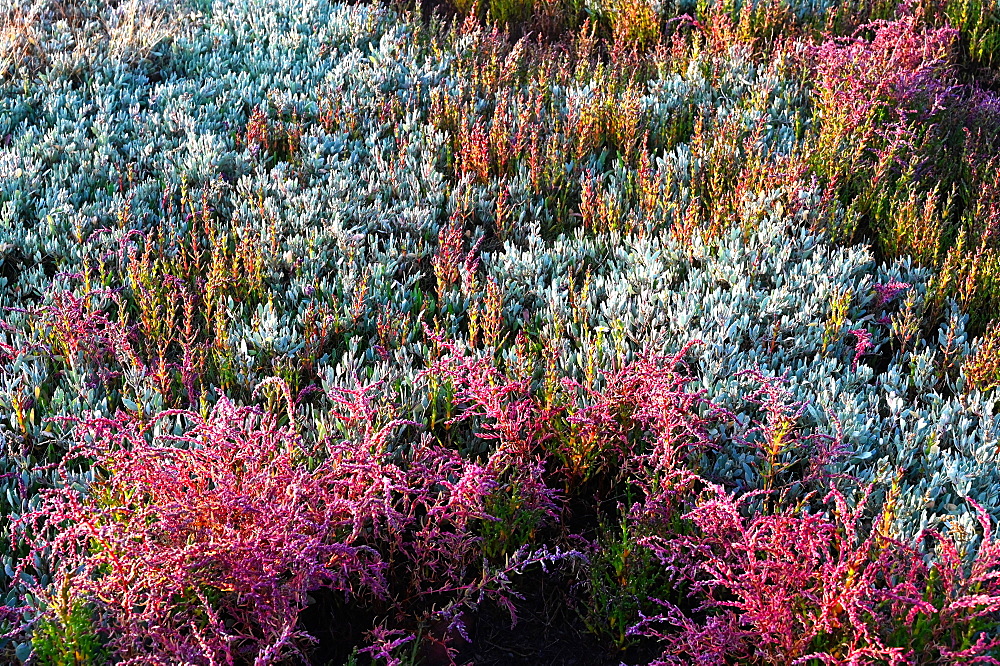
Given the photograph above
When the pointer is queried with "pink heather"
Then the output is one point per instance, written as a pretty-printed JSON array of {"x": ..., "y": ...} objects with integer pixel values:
[{"x": 863, "y": 344}]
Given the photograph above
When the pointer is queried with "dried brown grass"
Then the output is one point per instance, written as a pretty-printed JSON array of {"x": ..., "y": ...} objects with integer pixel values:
[{"x": 38, "y": 34}]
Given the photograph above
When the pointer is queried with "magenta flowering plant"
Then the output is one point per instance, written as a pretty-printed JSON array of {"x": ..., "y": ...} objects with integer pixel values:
[
  {"x": 869, "y": 83},
  {"x": 887, "y": 292},
  {"x": 648, "y": 433},
  {"x": 793, "y": 572},
  {"x": 862, "y": 345},
  {"x": 644, "y": 423},
  {"x": 203, "y": 547},
  {"x": 79, "y": 331},
  {"x": 775, "y": 584},
  {"x": 779, "y": 437},
  {"x": 809, "y": 582}
]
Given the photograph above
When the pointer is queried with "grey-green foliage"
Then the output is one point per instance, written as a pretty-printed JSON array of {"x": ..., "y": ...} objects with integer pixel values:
[{"x": 762, "y": 302}]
